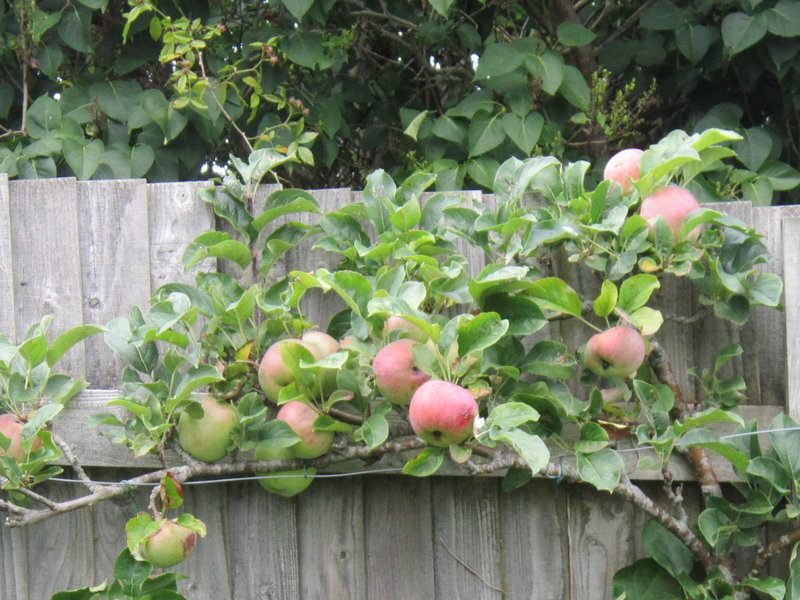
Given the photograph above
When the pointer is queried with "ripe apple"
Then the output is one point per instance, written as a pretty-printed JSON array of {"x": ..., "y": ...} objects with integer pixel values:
[
  {"x": 442, "y": 413},
  {"x": 623, "y": 168},
  {"x": 300, "y": 417},
  {"x": 616, "y": 352},
  {"x": 169, "y": 545},
  {"x": 320, "y": 343},
  {"x": 291, "y": 482},
  {"x": 402, "y": 325},
  {"x": 673, "y": 203},
  {"x": 11, "y": 427},
  {"x": 273, "y": 373},
  {"x": 396, "y": 372},
  {"x": 207, "y": 437}
]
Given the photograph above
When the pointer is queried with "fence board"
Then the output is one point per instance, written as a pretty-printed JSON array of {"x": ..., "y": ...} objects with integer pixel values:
[
  {"x": 7, "y": 321},
  {"x": 399, "y": 546},
  {"x": 47, "y": 269},
  {"x": 115, "y": 252},
  {"x": 791, "y": 281}
]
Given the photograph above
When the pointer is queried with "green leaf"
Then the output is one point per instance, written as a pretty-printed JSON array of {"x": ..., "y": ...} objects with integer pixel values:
[
  {"x": 510, "y": 415},
  {"x": 574, "y": 34},
  {"x": 524, "y": 132},
  {"x": 499, "y": 59},
  {"x": 663, "y": 15},
  {"x": 307, "y": 49},
  {"x": 605, "y": 303},
  {"x": 552, "y": 293},
  {"x": 426, "y": 463},
  {"x": 602, "y": 469},
  {"x": 530, "y": 447},
  {"x": 771, "y": 586},
  {"x": 695, "y": 40},
  {"x": 754, "y": 149},
  {"x": 593, "y": 439},
  {"x": 635, "y": 291},
  {"x": 740, "y": 30},
  {"x": 442, "y": 6},
  {"x": 298, "y": 8},
  {"x": 412, "y": 130},
  {"x": 574, "y": 88},
  {"x": 485, "y": 133},
  {"x": 548, "y": 68},
  {"x": 68, "y": 339},
  {"x": 480, "y": 332},
  {"x": 284, "y": 202},
  {"x": 784, "y": 19},
  {"x": 83, "y": 159},
  {"x": 667, "y": 550},
  {"x": 645, "y": 579},
  {"x": 781, "y": 176}
]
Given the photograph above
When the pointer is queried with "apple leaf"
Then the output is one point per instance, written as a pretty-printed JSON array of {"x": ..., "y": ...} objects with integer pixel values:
[
  {"x": 191, "y": 522},
  {"x": 480, "y": 332},
  {"x": 459, "y": 454},
  {"x": 375, "y": 429},
  {"x": 328, "y": 423},
  {"x": 510, "y": 415},
  {"x": 426, "y": 463},
  {"x": 139, "y": 528},
  {"x": 278, "y": 434},
  {"x": 284, "y": 202},
  {"x": 593, "y": 439},
  {"x": 530, "y": 447},
  {"x": 635, "y": 291},
  {"x": 552, "y": 293},
  {"x": 605, "y": 303},
  {"x": 171, "y": 492},
  {"x": 195, "y": 378},
  {"x": 603, "y": 469}
]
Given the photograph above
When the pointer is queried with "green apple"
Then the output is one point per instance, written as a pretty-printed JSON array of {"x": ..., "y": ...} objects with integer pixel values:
[
  {"x": 288, "y": 483},
  {"x": 169, "y": 545},
  {"x": 208, "y": 437}
]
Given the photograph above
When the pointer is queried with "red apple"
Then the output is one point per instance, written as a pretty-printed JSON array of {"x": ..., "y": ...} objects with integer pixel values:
[
  {"x": 320, "y": 343},
  {"x": 673, "y": 203},
  {"x": 442, "y": 413},
  {"x": 11, "y": 427},
  {"x": 623, "y": 168},
  {"x": 207, "y": 437},
  {"x": 616, "y": 352},
  {"x": 285, "y": 483},
  {"x": 273, "y": 373},
  {"x": 396, "y": 372},
  {"x": 169, "y": 545},
  {"x": 300, "y": 417}
]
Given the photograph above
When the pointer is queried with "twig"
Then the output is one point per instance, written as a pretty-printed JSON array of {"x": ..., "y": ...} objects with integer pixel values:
[
  {"x": 66, "y": 449},
  {"x": 470, "y": 569},
  {"x": 787, "y": 539}
]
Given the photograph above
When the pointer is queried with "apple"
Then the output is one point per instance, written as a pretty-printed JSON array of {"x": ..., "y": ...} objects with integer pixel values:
[
  {"x": 396, "y": 372},
  {"x": 207, "y": 437},
  {"x": 673, "y": 203},
  {"x": 320, "y": 343},
  {"x": 442, "y": 413},
  {"x": 273, "y": 373},
  {"x": 169, "y": 545},
  {"x": 623, "y": 168},
  {"x": 404, "y": 326},
  {"x": 616, "y": 352},
  {"x": 291, "y": 482},
  {"x": 300, "y": 417},
  {"x": 11, "y": 427}
]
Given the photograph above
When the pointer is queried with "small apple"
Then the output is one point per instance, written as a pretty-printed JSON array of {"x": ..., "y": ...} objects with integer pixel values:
[
  {"x": 616, "y": 352},
  {"x": 442, "y": 413},
  {"x": 11, "y": 427},
  {"x": 169, "y": 545},
  {"x": 273, "y": 373},
  {"x": 404, "y": 327},
  {"x": 396, "y": 372},
  {"x": 300, "y": 417},
  {"x": 289, "y": 483},
  {"x": 320, "y": 343},
  {"x": 207, "y": 437},
  {"x": 673, "y": 203},
  {"x": 623, "y": 168}
]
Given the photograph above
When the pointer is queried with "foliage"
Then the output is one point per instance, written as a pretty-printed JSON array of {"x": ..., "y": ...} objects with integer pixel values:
[
  {"x": 401, "y": 251},
  {"x": 109, "y": 89}
]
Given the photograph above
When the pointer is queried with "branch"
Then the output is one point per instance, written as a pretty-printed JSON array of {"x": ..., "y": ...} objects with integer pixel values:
[
  {"x": 787, "y": 539},
  {"x": 22, "y": 516}
]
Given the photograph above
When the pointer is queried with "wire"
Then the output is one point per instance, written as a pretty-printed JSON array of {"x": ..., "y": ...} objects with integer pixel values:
[{"x": 369, "y": 471}]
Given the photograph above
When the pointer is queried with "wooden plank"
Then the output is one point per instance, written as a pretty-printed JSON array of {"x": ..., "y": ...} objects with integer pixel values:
[
  {"x": 261, "y": 537},
  {"x": 177, "y": 216},
  {"x": 791, "y": 280},
  {"x": 8, "y": 326},
  {"x": 330, "y": 517},
  {"x": 115, "y": 255},
  {"x": 398, "y": 533},
  {"x": 604, "y": 534},
  {"x": 46, "y": 251},
  {"x": 14, "y": 562},
  {"x": 769, "y": 323},
  {"x": 466, "y": 538},
  {"x": 208, "y": 566},
  {"x": 535, "y": 541}
]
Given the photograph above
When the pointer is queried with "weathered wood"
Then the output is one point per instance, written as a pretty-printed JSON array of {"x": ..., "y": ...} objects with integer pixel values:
[
  {"x": 331, "y": 539},
  {"x": 791, "y": 280},
  {"x": 8, "y": 326},
  {"x": 47, "y": 270},
  {"x": 398, "y": 523},
  {"x": 466, "y": 541},
  {"x": 115, "y": 259}
]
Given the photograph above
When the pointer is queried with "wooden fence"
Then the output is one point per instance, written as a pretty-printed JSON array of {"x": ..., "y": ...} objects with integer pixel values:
[{"x": 88, "y": 251}]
